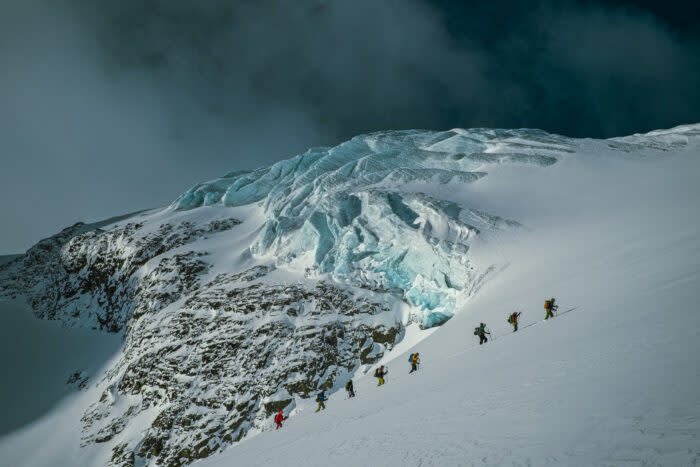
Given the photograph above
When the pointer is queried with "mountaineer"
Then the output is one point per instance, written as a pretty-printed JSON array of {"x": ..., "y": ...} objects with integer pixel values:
[
  {"x": 414, "y": 361},
  {"x": 350, "y": 389},
  {"x": 481, "y": 332},
  {"x": 380, "y": 373},
  {"x": 279, "y": 418},
  {"x": 513, "y": 319},
  {"x": 550, "y": 308},
  {"x": 321, "y": 398}
]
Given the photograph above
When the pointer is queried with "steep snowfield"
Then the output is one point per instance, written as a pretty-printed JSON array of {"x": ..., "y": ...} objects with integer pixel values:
[
  {"x": 612, "y": 383},
  {"x": 416, "y": 226}
]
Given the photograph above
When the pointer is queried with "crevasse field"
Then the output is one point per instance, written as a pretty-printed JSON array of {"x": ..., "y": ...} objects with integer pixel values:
[{"x": 610, "y": 227}]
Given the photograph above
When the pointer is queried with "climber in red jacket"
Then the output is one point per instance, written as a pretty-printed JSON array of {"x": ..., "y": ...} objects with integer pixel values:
[{"x": 279, "y": 418}]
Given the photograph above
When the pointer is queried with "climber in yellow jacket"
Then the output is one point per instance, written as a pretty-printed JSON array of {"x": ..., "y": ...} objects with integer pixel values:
[{"x": 414, "y": 361}]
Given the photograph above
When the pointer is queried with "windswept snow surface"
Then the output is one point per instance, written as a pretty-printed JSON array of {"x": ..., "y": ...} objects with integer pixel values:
[
  {"x": 614, "y": 382},
  {"x": 468, "y": 224}
]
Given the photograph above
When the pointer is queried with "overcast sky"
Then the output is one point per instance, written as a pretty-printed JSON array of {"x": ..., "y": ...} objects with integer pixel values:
[{"x": 108, "y": 107}]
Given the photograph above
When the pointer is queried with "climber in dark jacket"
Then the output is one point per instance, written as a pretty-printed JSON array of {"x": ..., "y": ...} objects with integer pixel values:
[
  {"x": 550, "y": 308},
  {"x": 349, "y": 389},
  {"x": 379, "y": 373},
  {"x": 321, "y": 398},
  {"x": 481, "y": 332}
]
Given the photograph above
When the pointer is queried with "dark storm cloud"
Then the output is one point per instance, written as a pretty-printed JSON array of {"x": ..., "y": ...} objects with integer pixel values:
[
  {"x": 342, "y": 67},
  {"x": 581, "y": 69},
  {"x": 107, "y": 107},
  {"x": 614, "y": 71}
]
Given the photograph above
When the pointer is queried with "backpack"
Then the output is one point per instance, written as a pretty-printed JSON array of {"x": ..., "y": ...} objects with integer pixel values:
[
  {"x": 547, "y": 304},
  {"x": 376, "y": 373},
  {"x": 320, "y": 397},
  {"x": 410, "y": 358},
  {"x": 476, "y": 331}
]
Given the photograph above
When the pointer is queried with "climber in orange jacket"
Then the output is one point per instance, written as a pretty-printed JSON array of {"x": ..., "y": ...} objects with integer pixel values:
[{"x": 279, "y": 418}]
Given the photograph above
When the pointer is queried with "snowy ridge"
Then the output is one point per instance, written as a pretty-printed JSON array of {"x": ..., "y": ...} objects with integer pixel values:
[
  {"x": 251, "y": 292},
  {"x": 663, "y": 140}
]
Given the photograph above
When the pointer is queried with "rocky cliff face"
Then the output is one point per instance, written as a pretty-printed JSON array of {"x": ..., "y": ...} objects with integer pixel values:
[
  {"x": 207, "y": 356},
  {"x": 90, "y": 276},
  {"x": 235, "y": 353}
]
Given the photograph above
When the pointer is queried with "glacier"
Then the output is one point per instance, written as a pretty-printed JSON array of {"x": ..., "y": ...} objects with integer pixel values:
[
  {"x": 344, "y": 211},
  {"x": 251, "y": 292}
]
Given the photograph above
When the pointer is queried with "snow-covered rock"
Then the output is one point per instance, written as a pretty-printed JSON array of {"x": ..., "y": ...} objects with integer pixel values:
[
  {"x": 204, "y": 360},
  {"x": 253, "y": 291}
]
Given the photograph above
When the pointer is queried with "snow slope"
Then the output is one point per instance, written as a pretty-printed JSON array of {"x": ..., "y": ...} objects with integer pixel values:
[
  {"x": 612, "y": 383},
  {"x": 325, "y": 265}
]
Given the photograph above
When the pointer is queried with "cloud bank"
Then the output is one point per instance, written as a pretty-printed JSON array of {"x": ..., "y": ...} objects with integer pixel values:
[{"x": 110, "y": 107}]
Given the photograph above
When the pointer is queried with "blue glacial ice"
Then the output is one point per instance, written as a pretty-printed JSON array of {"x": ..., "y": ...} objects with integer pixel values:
[{"x": 345, "y": 210}]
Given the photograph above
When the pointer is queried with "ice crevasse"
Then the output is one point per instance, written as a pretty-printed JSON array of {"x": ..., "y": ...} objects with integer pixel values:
[{"x": 353, "y": 211}]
